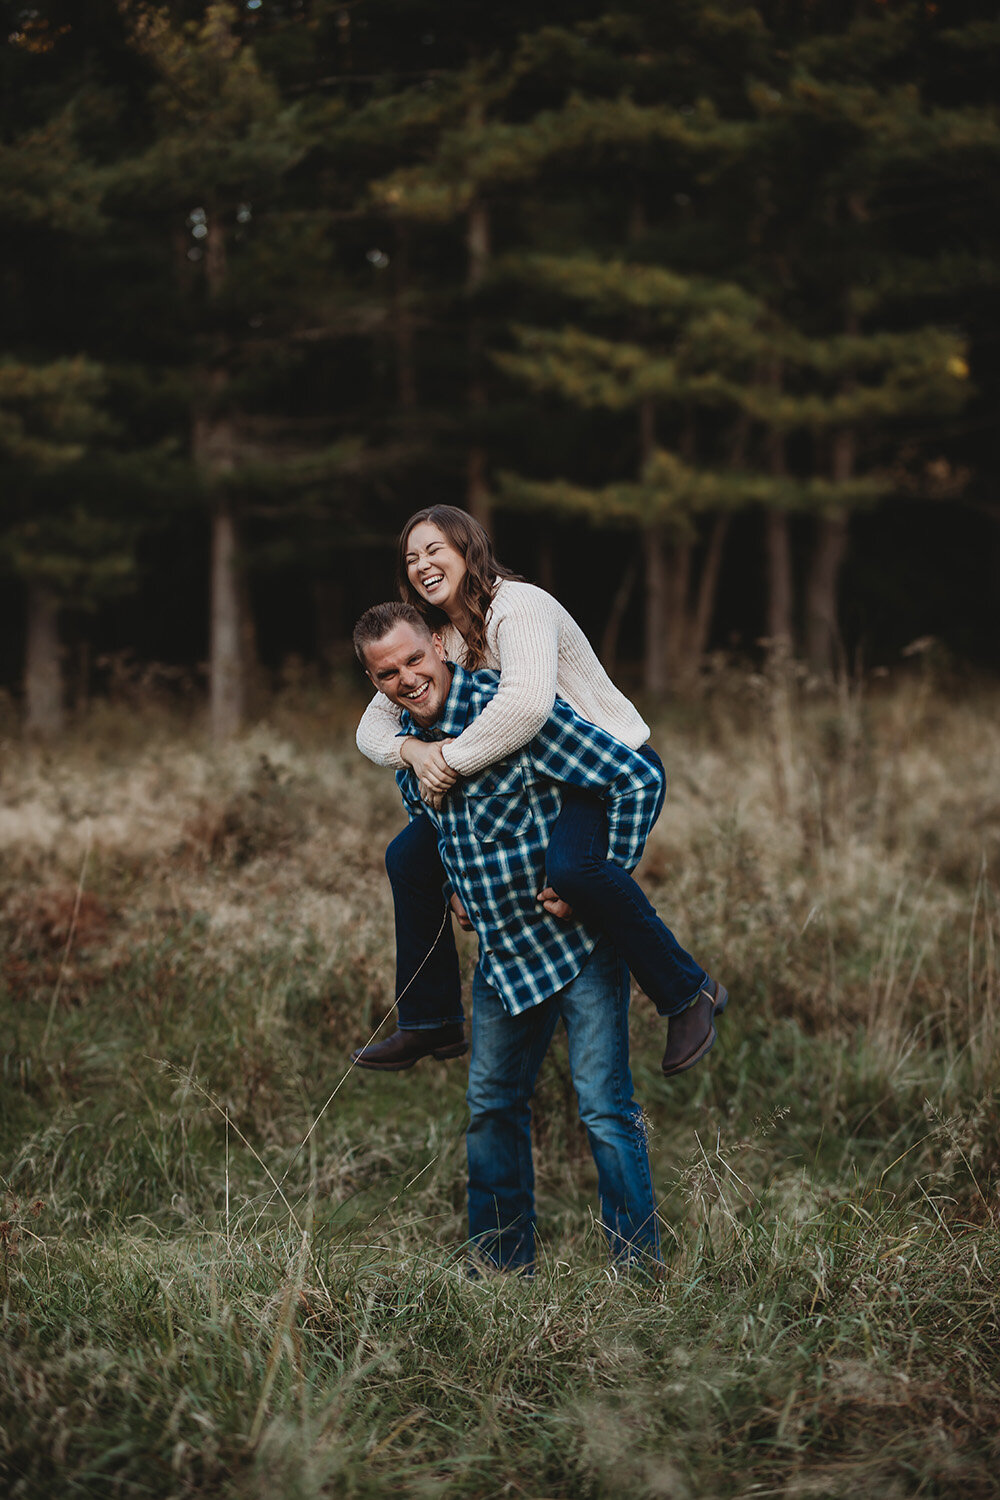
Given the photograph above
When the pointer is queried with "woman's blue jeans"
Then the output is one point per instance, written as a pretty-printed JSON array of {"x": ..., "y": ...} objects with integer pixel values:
[
  {"x": 507, "y": 1052},
  {"x": 433, "y": 993},
  {"x": 606, "y": 898},
  {"x": 600, "y": 892}
]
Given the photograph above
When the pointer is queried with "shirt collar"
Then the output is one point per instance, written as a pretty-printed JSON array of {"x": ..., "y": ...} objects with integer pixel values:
[{"x": 458, "y": 708}]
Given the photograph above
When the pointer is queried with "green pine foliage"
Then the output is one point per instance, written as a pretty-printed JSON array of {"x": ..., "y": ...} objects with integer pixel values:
[{"x": 740, "y": 236}]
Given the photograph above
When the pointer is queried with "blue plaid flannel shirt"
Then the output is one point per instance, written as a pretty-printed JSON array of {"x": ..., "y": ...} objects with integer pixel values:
[{"x": 493, "y": 831}]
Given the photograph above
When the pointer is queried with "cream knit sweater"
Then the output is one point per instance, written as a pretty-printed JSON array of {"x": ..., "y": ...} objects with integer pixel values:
[{"x": 541, "y": 653}]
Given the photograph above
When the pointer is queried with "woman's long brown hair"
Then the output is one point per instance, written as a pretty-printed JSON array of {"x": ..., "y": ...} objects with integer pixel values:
[{"x": 482, "y": 569}]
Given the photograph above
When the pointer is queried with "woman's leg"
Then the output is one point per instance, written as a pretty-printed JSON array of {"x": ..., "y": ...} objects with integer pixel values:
[
  {"x": 603, "y": 895},
  {"x": 428, "y": 987},
  {"x": 429, "y": 996}
]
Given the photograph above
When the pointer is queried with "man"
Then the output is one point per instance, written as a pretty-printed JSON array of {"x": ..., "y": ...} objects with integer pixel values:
[{"x": 534, "y": 968}]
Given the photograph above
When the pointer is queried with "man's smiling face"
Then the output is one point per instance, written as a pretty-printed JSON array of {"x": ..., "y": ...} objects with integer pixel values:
[{"x": 408, "y": 666}]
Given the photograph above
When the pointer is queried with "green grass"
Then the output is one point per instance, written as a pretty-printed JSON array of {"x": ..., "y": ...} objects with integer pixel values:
[{"x": 192, "y": 940}]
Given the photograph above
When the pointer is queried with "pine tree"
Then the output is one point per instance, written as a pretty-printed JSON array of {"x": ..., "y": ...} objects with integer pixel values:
[
  {"x": 672, "y": 266},
  {"x": 221, "y": 144},
  {"x": 835, "y": 139},
  {"x": 62, "y": 548},
  {"x": 790, "y": 364},
  {"x": 65, "y": 531}
]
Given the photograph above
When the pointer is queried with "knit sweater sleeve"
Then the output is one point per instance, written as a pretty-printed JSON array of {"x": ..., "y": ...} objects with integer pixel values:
[
  {"x": 524, "y": 634},
  {"x": 378, "y": 732}
]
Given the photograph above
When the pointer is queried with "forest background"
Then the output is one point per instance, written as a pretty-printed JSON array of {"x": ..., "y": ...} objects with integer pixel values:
[{"x": 696, "y": 305}]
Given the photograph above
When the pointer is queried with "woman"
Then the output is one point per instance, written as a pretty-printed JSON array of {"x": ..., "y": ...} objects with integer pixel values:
[{"x": 489, "y": 617}]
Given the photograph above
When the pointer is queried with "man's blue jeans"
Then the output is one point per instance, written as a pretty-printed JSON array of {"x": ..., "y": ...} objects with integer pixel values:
[
  {"x": 507, "y": 1053},
  {"x": 601, "y": 894}
]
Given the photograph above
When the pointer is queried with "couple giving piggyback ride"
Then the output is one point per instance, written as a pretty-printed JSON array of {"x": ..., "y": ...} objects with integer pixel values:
[{"x": 531, "y": 789}]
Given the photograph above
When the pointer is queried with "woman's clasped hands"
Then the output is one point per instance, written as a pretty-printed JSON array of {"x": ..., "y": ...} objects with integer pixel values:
[{"x": 433, "y": 773}]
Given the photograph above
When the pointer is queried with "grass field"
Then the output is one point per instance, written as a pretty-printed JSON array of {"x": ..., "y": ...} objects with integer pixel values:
[{"x": 192, "y": 940}]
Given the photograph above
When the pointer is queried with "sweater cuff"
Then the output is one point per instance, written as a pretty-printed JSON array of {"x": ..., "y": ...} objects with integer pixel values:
[
  {"x": 445, "y": 752},
  {"x": 461, "y": 761},
  {"x": 398, "y": 763}
]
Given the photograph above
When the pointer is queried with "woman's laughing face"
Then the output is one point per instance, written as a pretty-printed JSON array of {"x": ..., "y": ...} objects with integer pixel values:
[{"x": 435, "y": 567}]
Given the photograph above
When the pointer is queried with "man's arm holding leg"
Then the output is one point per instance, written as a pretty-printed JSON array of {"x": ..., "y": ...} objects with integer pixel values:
[{"x": 574, "y": 752}]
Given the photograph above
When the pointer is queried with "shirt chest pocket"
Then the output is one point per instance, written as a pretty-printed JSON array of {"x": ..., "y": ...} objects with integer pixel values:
[{"x": 498, "y": 806}]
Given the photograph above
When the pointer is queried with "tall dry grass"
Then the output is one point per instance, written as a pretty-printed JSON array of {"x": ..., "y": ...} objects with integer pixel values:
[{"x": 192, "y": 939}]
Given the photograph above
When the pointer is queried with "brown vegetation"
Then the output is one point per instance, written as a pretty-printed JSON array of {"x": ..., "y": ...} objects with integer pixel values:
[{"x": 193, "y": 939}]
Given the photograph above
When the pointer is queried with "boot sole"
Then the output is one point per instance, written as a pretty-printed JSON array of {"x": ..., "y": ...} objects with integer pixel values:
[
  {"x": 457, "y": 1049},
  {"x": 706, "y": 1046}
]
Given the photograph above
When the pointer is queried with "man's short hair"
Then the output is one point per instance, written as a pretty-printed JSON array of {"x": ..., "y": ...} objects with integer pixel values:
[{"x": 376, "y": 623}]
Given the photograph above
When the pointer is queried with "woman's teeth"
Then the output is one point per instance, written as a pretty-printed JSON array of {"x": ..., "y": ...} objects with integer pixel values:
[{"x": 433, "y": 581}]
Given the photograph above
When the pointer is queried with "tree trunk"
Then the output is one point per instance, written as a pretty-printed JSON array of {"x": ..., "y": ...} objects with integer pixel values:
[
  {"x": 708, "y": 585},
  {"x": 655, "y": 661},
  {"x": 402, "y": 322},
  {"x": 227, "y": 689},
  {"x": 213, "y": 447},
  {"x": 43, "y": 679},
  {"x": 655, "y": 556},
  {"x": 249, "y": 659},
  {"x": 780, "y": 630},
  {"x": 216, "y": 248},
  {"x": 616, "y": 614},
  {"x": 81, "y": 685},
  {"x": 477, "y": 493},
  {"x": 681, "y": 624},
  {"x": 822, "y": 633},
  {"x": 697, "y": 615},
  {"x": 822, "y": 616},
  {"x": 778, "y": 548},
  {"x": 329, "y": 611},
  {"x": 676, "y": 622},
  {"x": 700, "y": 624},
  {"x": 478, "y": 244}
]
